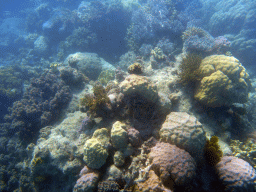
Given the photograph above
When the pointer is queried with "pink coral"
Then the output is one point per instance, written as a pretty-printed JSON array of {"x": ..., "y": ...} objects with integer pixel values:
[
  {"x": 236, "y": 174},
  {"x": 172, "y": 162}
]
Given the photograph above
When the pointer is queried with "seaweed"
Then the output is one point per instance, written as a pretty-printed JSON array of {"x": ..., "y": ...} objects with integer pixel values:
[{"x": 189, "y": 69}]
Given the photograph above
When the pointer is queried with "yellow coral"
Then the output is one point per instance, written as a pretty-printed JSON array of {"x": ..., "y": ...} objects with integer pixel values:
[
  {"x": 135, "y": 68},
  {"x": 106, "y": 76},
  {"x": 212, "y": 151},
  {"x": 223, "y": 81},
  {"x": 244, "y": 150},
  {"x": 158, "y": 53}
]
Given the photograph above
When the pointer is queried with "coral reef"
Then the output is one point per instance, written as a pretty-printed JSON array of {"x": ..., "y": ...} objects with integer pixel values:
[
  {"x": 197, "y": 39},
  {"x": 184, "y": 131},
  {"x": 236, "y": 174},
  {"x": 61, "y": 22},
  {"x": 87, "y": 181},
  {"x": 135, "y": 68},
  {"x": 212, "y": 151},
  {"x": 189, "y": 69},
  {"x": 171, "y": 161},
  {"x": 108, "y": 186},
  {"x": 81, "y": 39},
  {"x": 10, "y": 82},
  {"x": 153, "y": 183},
  {"x": 98, "y": 103},
  {"x": 158, "y": 53},
  {"x": 106, "y": 76},
  {"x": 223, "y": 81},
  {"x": 95, "y": 149},
  {"x": 244, "y": 150},
  {"x": 41, "y": 104}
]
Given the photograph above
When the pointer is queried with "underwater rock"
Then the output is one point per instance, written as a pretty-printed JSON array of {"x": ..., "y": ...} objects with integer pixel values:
[
  {"x": 184, "y": 131},
  {"x": 236, "y": 174},
  {"x": 41, "y": 45},
  {"x": 72, "y": 77},
  {"x": 224, "y": 81},
  {"x": 171, "y": 161}
]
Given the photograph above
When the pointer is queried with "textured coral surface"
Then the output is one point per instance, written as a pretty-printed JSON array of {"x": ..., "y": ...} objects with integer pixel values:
[
  {"x": 236, "y": 174},
  {"x": 224, "y": 81},
  {"x": 172, "y": 162}
]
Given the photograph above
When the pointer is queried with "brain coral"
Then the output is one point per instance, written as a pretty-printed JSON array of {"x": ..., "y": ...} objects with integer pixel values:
[
  {"x": 95, "y": 154},
  {"x": 223, "y": 81},
  {"x": 86, "y": 182},
  {"x": 184, "y": 131},
  {"x": 236, "y": 174},
  {"x": 171, "y": 161},
  {"x": 136, "y": 84}
]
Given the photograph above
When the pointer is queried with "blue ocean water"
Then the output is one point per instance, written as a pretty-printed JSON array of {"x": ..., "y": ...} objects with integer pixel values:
[{"x": 70, "y": 64}]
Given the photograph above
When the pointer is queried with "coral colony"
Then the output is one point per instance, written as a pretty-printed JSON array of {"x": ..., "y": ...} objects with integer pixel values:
[{"x": 129, "y": 96}]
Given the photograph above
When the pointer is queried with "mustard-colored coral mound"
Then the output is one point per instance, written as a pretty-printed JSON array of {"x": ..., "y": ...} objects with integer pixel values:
[
  {"x": 140, "y": 85},
  {"x": 223, "y": 81}
]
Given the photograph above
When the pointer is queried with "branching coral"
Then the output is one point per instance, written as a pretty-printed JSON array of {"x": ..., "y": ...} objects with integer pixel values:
[
  {"x": 189, "y": 69},
  {"x": 212, "y": 151},
  {"x": 97, "y": 103}
]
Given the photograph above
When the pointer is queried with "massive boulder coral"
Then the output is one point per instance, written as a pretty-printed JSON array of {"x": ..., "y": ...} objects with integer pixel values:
[
  {"x": 184, "y": 131},
  {"x": 236, "y": 174},
  {"x": 95, "y": 149},
  {"x": 140, "y": 85},
  {"x": 224, "y": 81},
  {"x": 169, "y": 161},
  {"x": 87, "y": 182},
  {"x": 119, "y": 136}
]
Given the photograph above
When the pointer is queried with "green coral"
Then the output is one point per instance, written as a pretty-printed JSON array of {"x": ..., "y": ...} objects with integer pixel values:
[
  {"x": 189, "y": 69},
  {"x": 97, "y": 101},
  {"x": 106, "y": 76},
  {"x": 212, "y": 151},
  {"x": 244, "y": 150}
]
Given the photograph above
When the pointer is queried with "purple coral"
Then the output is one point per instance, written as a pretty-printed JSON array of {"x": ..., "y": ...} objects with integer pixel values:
[
  {"x": 171, "y": 161},
  {"x": 236, "y": 174},
  {"x": 86, "y": 182}
]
